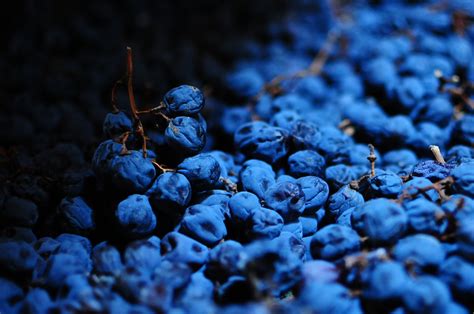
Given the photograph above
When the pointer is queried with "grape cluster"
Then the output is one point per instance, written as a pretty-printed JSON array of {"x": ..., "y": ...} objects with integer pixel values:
[{"x": 341, "y": 183}]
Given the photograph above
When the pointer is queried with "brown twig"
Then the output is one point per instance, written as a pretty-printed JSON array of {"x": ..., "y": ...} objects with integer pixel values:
[
  {"x": 440, "y": 187},
  {"x": 362, "y": 259},
  {"x": 162, "y": 168},
  {"x": 347, "y": 127},
  {"x": 460, "y": 22},
  {"x": 274, "y": 85},
  {"x": 445, "y": 80},
  {"x": 122, "y": 139},
  {"x": 161, "y": 114},
  {"x": 344, "y": 124},
  {"x": 437, "y": 154},
  {"x": 462, "y": 91},
  {"x": 229, "y": 185},
  {"x": 133, "y": 106},
  {"x": 153, "y": 110},
  {"x": 372, "y": 158},
  {"x": 113, "y": 96}
]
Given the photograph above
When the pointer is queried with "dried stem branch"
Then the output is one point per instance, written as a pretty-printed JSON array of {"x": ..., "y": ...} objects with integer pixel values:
[
  {"x": 152, "y": 110},
  {"x": 133, "y": 106},
  {"x": 372, "y": 158},
  {"x": 439, "y": 186},
  {"x": 162, "y": 168},
  {"x": 315, "y": 68},
  {"x": 437, "y": 154}
]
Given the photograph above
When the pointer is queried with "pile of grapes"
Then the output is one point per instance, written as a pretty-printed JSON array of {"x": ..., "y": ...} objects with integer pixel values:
[{"x": 330, "y": 170}]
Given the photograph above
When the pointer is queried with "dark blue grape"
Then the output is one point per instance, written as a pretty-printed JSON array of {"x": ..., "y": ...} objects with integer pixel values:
[
  {"x": 46, "y": 246},
  {"x": 244, "y": 82},
  {"x": 170, "y": 192},
  {"x": 256, "y": 176},
  {"x": 232, "y": 118},
  {"x": 203, "y": 171},
  {"x": 432, "y": 170},
  {"x": 290, "y": 102},
  {"x": 333, "y": 242},
  {"x": 385, "y": 184},
  {"x": 264, "y": 223},
  {"x": 414, "y": 188},
  {"x": 316, "y": 193},
  {"x": 218, "y": 199},
  {"x": 319, "y": 271},
  {"x": 223, "y": 260},
  {"x": 459, "y": 154},
  {"x": 59, "y": 267},
  {"x": 17, "y": 257},
  {"x": 426, "y": 294},
  {"x": 204, "y": 224},
  {"x": 10, "y": 295},
  {"x": 305, "y": 135},
  {"x": 185, "y": 134},
  {"x": 381, "y": 220},
  {"x": 116, "y": 124},
  {"x": 183, "y": 100},
  {"x": 306, "y": 163},
  {"x": 463, "y": 177},
  {"x": 106, "y": 259},
  {"x": 339, "y": 175},
  {"x": 426, "y": 217},
  {"x": 465, "y": 237},
  {"x": 261, "y": 141},
  {"x": 285, "y": 119},
  {"x": 464, "y": 130},
  {"x": 135, "y": 216},
  {"x": 242, "y": 205},
  {"x": 437, "y": 110},
  {"x": 422, "y": 252},
  {"x": 37, "y": 301},
  {"x": 143, "y": 255},
  {"x": 76, "y": 215},
  {"x": 309, "y": 225},
  {"x": 131, "y": 173},
  {"x": 287, "y": 199},
  {"x": 344, "y": 199},
  {"x": 459, "y": 275},
  {"x": 104, "y": 153},
  {"x": 178, "y": 248},
  {"x": 294, "y": 227},
  {"x": 384, "y": 281},
  {"x": 409, "y": 92},
  {"x": 319, "y": 297}
]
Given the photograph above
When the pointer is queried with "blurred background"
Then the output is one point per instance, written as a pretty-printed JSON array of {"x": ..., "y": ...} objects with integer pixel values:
[{"x": 60, "y": 59}]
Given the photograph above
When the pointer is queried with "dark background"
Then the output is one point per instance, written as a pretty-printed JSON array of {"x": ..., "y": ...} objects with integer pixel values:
[{"x": 61, "y": 58}]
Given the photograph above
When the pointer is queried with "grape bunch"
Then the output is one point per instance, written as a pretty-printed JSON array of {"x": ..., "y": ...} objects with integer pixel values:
[{"x": 332, "y": 171}]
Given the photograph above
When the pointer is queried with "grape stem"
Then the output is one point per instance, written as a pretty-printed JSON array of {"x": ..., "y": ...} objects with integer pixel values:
[
  {"x": 113, "y": 98},
  {"x": 274, "y": 86},
  {"x": 439, "y": 186},
  {"x": 437, "y": 154},
  {"x": 153, "y": 110},
  {"x": 462, "y": 91},
  {"x": 133, "y": 106},
  {"x": 162, "y": 168},
  {"x": 229, "y": 185},
  {"x": 372, "y": 158},
  {"x": 122, "y": 139}
]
